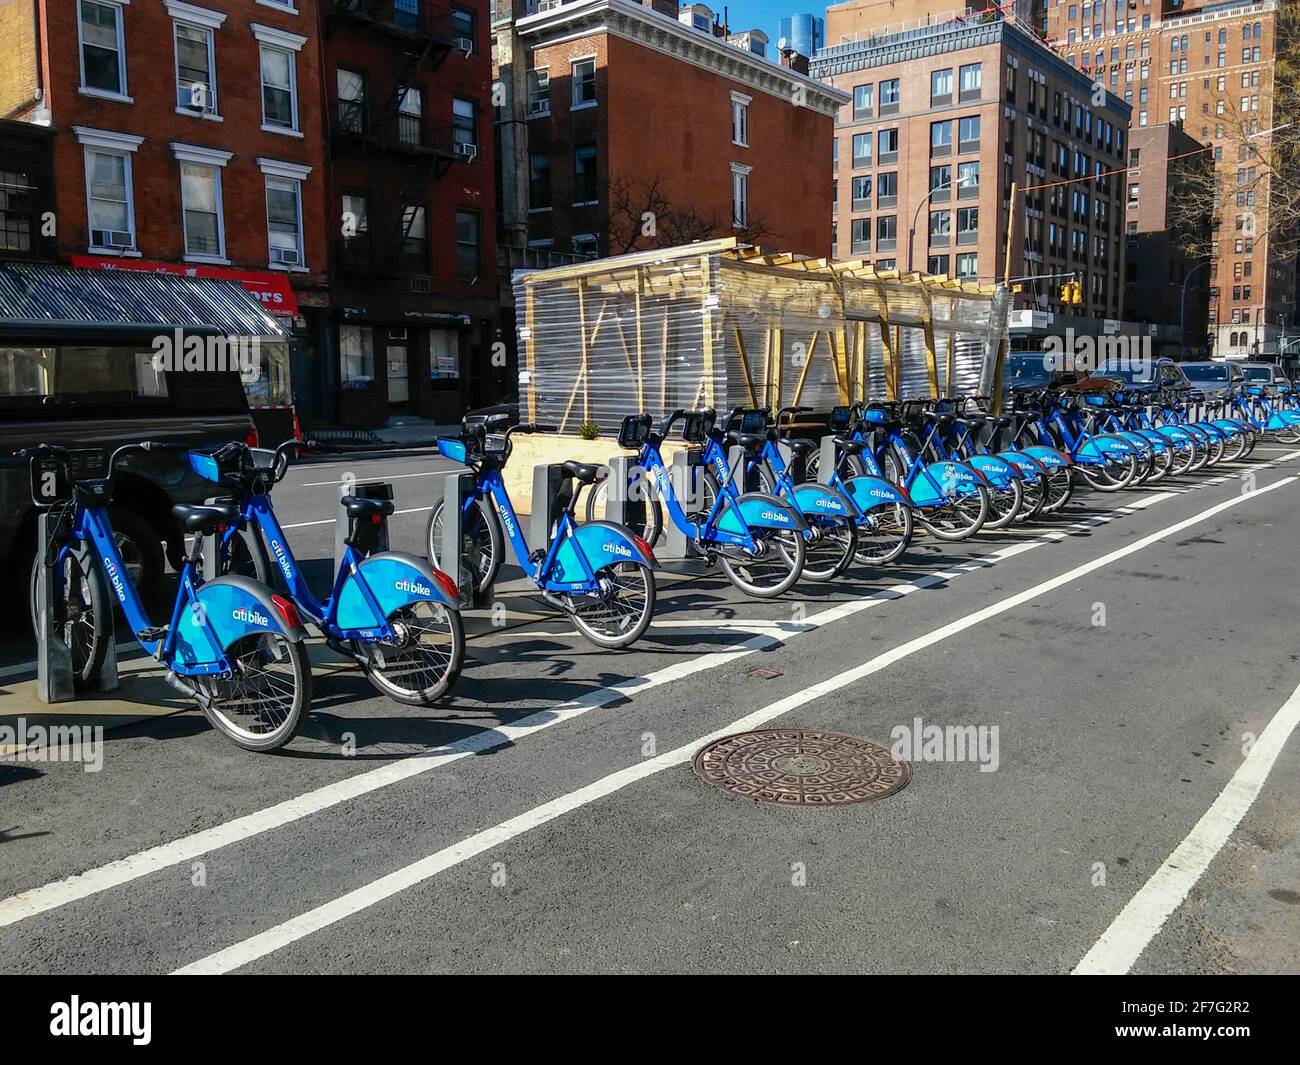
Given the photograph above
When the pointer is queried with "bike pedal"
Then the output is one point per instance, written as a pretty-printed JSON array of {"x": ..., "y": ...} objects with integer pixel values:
[{"x": 154, "y": 632}]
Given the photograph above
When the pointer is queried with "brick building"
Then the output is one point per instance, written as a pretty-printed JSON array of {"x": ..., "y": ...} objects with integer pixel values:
[
  {"x": 186, "y": 139},
  {"x": 1207, "y": 67},
  {"x": 942, "y": 119},
  {"x": 616, "y": 110},
  {"x": 1163, "y": 286},
  {"x": 27, "y": 200},
  {"x": 411, "y": 207}
]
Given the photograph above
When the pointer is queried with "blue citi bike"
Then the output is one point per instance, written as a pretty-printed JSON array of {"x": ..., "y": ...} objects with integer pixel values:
[
  {"x": 599, "y": 574},
  {"x": 758, "y": 538},
  {"x": 231, "y": 644},
  {"x": 390, "y": 612}
]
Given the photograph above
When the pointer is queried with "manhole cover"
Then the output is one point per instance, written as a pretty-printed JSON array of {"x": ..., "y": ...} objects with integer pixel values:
[{"x": 802, "y": 767}]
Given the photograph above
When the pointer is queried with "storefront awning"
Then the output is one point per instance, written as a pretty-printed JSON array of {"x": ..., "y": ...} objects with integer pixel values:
[
  {"x": 40, "y": 298},
  {"x": 272, "y": 290}
]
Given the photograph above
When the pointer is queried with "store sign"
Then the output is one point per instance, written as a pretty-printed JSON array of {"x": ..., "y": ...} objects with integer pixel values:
[{"x": 272, "y": 291}]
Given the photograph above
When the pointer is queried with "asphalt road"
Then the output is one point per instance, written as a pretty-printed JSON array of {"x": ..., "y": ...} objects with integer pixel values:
[{"x": 1130, "y": 655}]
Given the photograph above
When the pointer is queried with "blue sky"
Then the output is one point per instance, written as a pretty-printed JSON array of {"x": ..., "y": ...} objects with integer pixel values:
[{"x": 765, "y": 15}]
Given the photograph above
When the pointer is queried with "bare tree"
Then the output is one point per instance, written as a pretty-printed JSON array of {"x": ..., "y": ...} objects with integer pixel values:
[
  {"x": 1253, "y": 191},
  {"x": 642, "y": 215}
]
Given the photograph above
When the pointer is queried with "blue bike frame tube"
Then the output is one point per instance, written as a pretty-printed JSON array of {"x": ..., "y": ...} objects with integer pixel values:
[
  {"x": 257, "y": 510},
  {"x": 493, "y": 486},
  {"x": 91, "y": 525}
]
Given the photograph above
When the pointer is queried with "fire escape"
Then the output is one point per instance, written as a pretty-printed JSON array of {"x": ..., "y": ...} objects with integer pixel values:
[{"x": 401, "y": 152}]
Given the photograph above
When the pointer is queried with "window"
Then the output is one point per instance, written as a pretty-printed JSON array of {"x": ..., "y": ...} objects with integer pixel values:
[
  {"x": 968, "y": 225},
  {"x": 539, "y": 92},
  {"x": 886, "y": 233},
  {"x": 940, "y": 228},
  {"x": 969, "y": 134},
  {"x": 740, "y": 119},
  {"x": 410, "y": 117},
  {"x": 937, "y": 265},
  {"x": 110, "y": 204},
  {"x": 941, "y": 86},
  {"x": 967, "y": 265},
  {"x": 861, "y": 236},
  {"x": 205, "y": 236},
  {"x": 463, "y": 28},
  {"x": 888, "y": 146},
  {"x": 539, "y": 181},
  {"x": 468, "y": 245},
  {"x": 971, "y": 81},
  {"x": 739, "y": 195},
  {"x": 357, "y": 354},
  {"x": 584, "y": 83},
  {"x": 355, "y": 217},
  {"x": 352, "y": 101},
  {"x": 940, "y": 183},
  {"x": 464, "y": 124},
  {"x": 196, "y": 88},
  {"x": 889, "y": 96},
  {"x": 968, "y": 181},
  {"x": 415, "y": 236},
  {"x": 861, "y": 149},
  {"x": 862, "y": 193},
  {"x": 941, "y": 138},
  {"x": 17, "y": 213},
  {"x": 863, "y": 96},
  {"x": 887, "y": 189},
  {"x": 279, "y": 98},
  {"x": 284, "y": 212},
  {"x": 103, "y": 49},
  {"x": 584, "y": 174}
]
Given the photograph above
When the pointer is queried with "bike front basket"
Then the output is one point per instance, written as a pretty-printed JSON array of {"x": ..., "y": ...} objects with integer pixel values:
[
  {"x": 634, "y": 431},
  {"x": 697, "y": 426}
]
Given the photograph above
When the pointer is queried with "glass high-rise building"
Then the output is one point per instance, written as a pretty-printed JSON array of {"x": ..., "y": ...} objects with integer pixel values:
[{"x": 804, "y": 33}]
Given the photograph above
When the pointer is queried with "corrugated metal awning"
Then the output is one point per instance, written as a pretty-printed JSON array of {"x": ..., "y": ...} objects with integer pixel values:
[{"x": 40, "y": 297}]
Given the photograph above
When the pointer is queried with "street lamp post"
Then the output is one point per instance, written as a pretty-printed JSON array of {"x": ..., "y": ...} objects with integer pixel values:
[
  {"x": 1182, "y": 305},
  {"x": 911, "y": 233}
]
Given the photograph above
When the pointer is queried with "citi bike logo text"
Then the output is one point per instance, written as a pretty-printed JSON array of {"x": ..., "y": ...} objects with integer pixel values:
[
  {"x": 278, "y": 550},
  {"x": 23, "y": 742},
  {"x": 115, "y": 578},
  {"x": 74, "y": 1017},
  {"x": 919, "y": 742},
  {"x": 1071, "y": 353},
  {"x": 613, "y": 548},
  {"x": 195, "y": 354},
  {"x": 772, "y": 515},
  {"x": 250, "y": 616},
  {"x": 505, "y": 520},
  {"x": 412, "y": 587}
]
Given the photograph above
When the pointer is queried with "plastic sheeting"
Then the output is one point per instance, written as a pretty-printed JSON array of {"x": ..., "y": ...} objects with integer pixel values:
[{"x": 710, "y": 324}]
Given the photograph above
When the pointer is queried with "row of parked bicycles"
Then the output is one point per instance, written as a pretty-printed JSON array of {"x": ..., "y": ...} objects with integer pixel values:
[{"x": 754, "y": 495}]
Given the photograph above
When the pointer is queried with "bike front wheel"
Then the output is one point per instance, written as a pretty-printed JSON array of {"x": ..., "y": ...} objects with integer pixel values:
[
  {"x": 424, "y": 659},
  {"x": 481, "y": 547},
  {"x": 259, "y": 707},
  {"x": 82, "y": 616},
  {"x": 648, "y": 525},
  {"x": 619, "y": 613}
]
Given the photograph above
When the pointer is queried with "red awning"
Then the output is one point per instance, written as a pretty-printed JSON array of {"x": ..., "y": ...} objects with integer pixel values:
[{"x": 270, "y": 289}]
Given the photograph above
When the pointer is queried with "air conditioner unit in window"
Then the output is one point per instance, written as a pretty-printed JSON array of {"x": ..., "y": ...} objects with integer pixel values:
[
  {"x": 468, "y": 152},
  {"x": 548, "y": 5},
  {"x": 539, "y": 107},
  {"x": 463, "y": 44},
  {"x": 112, "y": 238},
  {"x": 287, "y": 256}
]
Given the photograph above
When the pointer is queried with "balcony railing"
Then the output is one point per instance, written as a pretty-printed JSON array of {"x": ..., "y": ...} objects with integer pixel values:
[{"x": 415, "y": 18}]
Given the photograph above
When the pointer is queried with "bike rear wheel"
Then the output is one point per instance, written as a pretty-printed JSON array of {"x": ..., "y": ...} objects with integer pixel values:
[
  {"x": 619, "y": 616},
  {"x": 259, "y": 708},
  {"x": 1004, "y": 505},
  {"x": 424, "y": 662},
  {"x": 959, "y": 518},
  {"x": 481, "y": 546},
  {"x": 884, "y": 533},
  {"x": 773, "y": 568},
  {"x": 1113, "y": 475},
  {"x": 830, "y": 544}
]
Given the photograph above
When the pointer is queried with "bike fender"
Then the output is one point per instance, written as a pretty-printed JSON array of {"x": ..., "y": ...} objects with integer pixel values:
[
  {"x": 1099, "y": 448},
  {"x": 760, "y": 511},
  {"x": 395, "y": 579},
  {"x": 1174, "y": 434},
  {"x": 600, "y": 543},
  {"x": 1139, "y": 442},
  {"x": 868, "y": 492},
  {"x": 1230, "y": 427},
  {"x": 818, "y": 501},
  {"x": 234, "y": 607},
  {"x": 1276, "y": 422},
  {"x": 1154, "y": 439},
  {"x": 1048, "y": 456},
  {"x": 949, "y": 479},
  {"x": 1028, "y": 467},
  {"x": 998, "y": 471}
]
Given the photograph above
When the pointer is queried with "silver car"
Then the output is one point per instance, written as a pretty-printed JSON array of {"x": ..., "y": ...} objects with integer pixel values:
[
  {"x": 1213, "y": 378},
  {"x": 1268, "y": 374}
]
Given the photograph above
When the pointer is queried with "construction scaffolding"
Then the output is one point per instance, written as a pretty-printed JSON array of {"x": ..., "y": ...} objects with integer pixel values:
[{"x": 717, "y": 324}]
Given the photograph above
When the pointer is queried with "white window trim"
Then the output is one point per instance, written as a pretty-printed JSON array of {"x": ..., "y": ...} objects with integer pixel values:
[
  {"x": 106, "y": 142},
  {"x": 280, "y": 5},
  {"x": 197, "y": 257},
  {"x": 301, "y": 267},
  {"x": 107, "y": 139},
  {"x": 289, "y": 42},
  {"x": 121, "y": 97},
  {"x": 200, "y": 156},
  {"x": 741, "y": 101},
  {"x": 212, "y": 54},
  {"x": 573, "y": 83},
  {"x": 287, "y": 131},
  {"x": 195, "y": 16},
  {"x": 280, "y": 168},
  {"x": 740, "y": 170}
]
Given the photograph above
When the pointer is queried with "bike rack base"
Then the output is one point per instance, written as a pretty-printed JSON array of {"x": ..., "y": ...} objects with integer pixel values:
[{"x": 456, "y": 488}]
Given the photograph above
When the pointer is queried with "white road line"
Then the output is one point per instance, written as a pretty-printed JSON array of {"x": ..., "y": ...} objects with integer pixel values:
[
  {"x": 380, "y": 477},
  {"x": 281, "y": 935},
  {"x": 331, "y": 521},
  {"x": 1120, "y": 946}
]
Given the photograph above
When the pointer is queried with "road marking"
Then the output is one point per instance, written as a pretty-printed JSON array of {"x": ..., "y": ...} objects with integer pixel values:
[
  {"x": 380, "y": 477},
  {"x": 1141, "y": 920},
  {"x": 281, "y": 935},
  {"x": 332, "y": 521}
]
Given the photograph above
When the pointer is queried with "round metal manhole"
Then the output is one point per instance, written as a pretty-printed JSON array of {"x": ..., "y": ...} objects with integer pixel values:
[{"x": 802, "y": 767}]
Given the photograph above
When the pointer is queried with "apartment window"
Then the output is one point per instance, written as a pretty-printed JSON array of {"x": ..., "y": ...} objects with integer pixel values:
[
  {"x": 584, "y": 83},
  {"x": 103, "y": 48},
  {"x": 940, "y": 183},
  {"x": 205, "y": 236},
  {"x": 415, "y": 235},
  {"x": 887, "y": 189},
  {"x": 967, "y": 266},
  {"x": 17, "y": 212},
  {"x": 410, "y": 117},
  {"x": 968, "y": 225},
  {"x": 889, "y": 97},
  {"x": 196, "y": 88},
  {"x": 539, "y": 92},
  {"x": 863, "y": 97},
  {"x": 887, "y": 233},
  {"x": 941, "y": 138},
  {"x": 279, "y": 95},
  {"x": 971, "y": 81},
  {"x": 584, "y": 175},
  {"x": 861, "y": 236},
  {"x": 740, "y": 119},
  {"x": 969, "y": 134},
  {"x": 357, "y": 355},
  {"x": 940, "y": 228},
  {"x": 355, "y": 217},
  {"x": 539, "y": 181},
  {"x": 888, "y": 147},
  {"x": 463, "y": 28},
  {"x": 464, "y": 124},
  {"x": 861, "y": 149},
  {"x": 968, "y": 181},
  {"x": 862, "y": 193},
  {"x": 468, "y": 245},
  {"x": 739, "y": 195},
  {"x": 284, "y": 220},
  {"x": 940, "y": 86},
  {"x": 110, "y": 202},
  {"x": 352, "y": 101},
  {"x": 937, "y": 265}
]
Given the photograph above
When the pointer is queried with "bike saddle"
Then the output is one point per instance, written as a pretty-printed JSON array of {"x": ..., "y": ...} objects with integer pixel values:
[
  {"x": 850, "y": 446},
  {"x": 585, "y": 472},
  {"x": 749, "y": 441},
  {"x": 943, "y": 421},
  {"x": 205, "y": 519},
  {"x": 358, "y": 507},
  {"x": 801, "y": 447}
]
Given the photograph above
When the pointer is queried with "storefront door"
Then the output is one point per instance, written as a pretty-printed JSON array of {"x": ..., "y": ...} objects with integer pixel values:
[{"x": 399, "y": 388}]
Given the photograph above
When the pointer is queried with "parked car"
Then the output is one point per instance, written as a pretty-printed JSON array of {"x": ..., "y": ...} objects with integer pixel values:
[
  {"x": 1025, "y": 371},
  {"x": 1156, "y": 373},
  {"x": 1268, "y": 374},
  {"x": 1213, "y": 378},
  {"x": 93, "y": 398}
]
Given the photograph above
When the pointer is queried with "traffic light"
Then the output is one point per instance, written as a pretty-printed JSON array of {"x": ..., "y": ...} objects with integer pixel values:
[{"x": 1072, "y": 293}]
